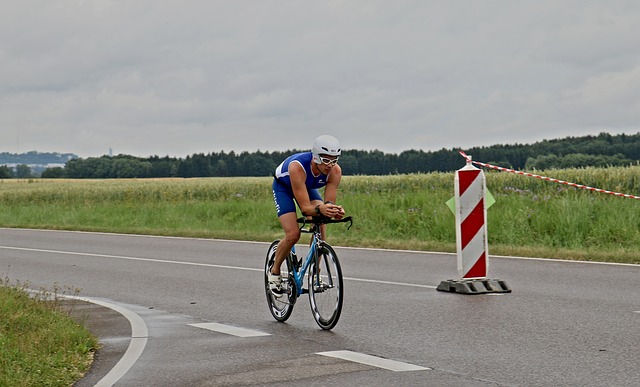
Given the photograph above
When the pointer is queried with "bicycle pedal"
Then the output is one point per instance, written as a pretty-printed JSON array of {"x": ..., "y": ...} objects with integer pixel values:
[
  {"x": 277, "y": 295},
  {"x": 305, "y": 290},
  {"x": 322, "y": 287},
  {"x": 284, "y": 300}
]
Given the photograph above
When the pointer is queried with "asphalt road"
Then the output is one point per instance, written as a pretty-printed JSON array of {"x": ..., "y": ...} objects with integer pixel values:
[{"x": 197, "y": 313}]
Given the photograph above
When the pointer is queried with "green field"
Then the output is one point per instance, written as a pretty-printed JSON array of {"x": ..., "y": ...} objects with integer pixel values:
[{"x": 531, "y": 217}]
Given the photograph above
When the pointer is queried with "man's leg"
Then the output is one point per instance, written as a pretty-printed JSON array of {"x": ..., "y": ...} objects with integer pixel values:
[{"x": 289, "y": 224}]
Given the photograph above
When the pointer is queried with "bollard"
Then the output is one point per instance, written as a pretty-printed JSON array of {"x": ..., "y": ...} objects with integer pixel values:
[
  {"x": 471, "y": 230},
  {"x": 471, "y": 235}
]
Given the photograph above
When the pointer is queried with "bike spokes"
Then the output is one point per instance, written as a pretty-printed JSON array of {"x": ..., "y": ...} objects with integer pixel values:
[
  {"x": 280, "y": 305},
  {"x": 325, "y": 288}
]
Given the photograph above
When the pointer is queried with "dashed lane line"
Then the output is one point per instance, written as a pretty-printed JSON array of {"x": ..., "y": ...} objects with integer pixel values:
[
  {"x": 230, "y": 330},
  {"x": 373, "y": 361},
  {"x": 355, "y": 357}
]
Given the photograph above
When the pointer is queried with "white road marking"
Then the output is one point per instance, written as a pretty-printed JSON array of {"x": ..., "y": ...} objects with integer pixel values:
[
  {"x": 389, "y": 282},
  {"x": 139, "y": 335},
  {"x": 335, "y": 247},
  {"x": 128, "y": 258},
  {"x": 230, "y": 330},
  {"x": 199, "y": 264},
  {"x": 373, "y": 361}
]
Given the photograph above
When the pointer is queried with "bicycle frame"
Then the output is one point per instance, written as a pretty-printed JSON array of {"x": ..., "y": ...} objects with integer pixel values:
[{"x": 298, "y": 275}]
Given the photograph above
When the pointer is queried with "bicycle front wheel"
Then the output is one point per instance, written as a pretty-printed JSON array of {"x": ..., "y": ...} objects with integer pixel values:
[
  {"x": 325, "y": 287},
  {"x": 280, "y": 306}
]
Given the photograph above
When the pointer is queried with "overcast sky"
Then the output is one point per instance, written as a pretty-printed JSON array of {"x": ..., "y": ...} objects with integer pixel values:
[{"x": 158, "y": 77}]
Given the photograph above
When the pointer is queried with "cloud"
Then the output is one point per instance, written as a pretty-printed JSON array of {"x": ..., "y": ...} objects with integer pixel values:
[{"x": 156, "y": 77}]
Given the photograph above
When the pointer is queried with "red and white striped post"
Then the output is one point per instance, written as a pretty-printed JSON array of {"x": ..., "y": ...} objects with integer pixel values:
[
  {"x": 471, "y": 235},
  {"x": 471, "y": 222}
]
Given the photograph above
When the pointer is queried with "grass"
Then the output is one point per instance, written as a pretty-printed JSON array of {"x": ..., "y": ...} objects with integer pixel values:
[
  {"x": 40, "y": 345},
  {"x": 531, "y": 217}
]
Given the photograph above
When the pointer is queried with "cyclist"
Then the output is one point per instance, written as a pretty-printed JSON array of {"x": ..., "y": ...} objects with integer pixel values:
[{"x": 298, "y": 178}]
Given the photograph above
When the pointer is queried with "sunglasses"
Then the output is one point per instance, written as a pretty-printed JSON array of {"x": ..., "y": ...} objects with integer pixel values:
[{"x": 327, "y": 161}]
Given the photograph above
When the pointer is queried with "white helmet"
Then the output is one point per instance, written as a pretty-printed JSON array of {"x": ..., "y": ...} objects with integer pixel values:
[{"x": 325, "y": 145}]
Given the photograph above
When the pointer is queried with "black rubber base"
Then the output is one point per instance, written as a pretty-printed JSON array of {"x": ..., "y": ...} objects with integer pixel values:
[{"x": 474, "y": 286}]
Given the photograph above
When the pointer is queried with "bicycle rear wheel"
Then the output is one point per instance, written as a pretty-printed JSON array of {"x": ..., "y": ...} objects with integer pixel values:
[
  {"x": 280, "y": 307},
  {"x": 325, "y": 290}
]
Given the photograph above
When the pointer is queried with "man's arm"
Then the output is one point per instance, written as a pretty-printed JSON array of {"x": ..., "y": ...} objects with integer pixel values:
[
  {"x": 297, "y": 176},
  {"x": 331, "y": 193},
  {"x": 331, "y": 189}
]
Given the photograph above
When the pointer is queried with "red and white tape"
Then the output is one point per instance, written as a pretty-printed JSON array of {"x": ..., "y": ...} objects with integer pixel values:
[{"x": 576, "y": 185}]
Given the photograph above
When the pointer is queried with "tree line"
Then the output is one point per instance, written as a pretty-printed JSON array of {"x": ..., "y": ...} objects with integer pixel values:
[
  {"x": 569, "y": 152},
  {"x": 35, "y": 157}
]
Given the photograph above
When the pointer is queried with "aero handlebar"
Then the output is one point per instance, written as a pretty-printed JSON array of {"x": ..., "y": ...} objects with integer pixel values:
[{"x": 318, "y": 220}]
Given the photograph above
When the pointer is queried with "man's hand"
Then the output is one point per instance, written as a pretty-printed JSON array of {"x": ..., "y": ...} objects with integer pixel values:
[{"x": 334, "y": 211}]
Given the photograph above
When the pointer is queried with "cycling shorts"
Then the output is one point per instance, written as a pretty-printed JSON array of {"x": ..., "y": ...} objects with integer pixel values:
[{"x": 285, "y": 201}]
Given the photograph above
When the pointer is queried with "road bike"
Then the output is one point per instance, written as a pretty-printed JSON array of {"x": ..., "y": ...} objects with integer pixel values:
[{"x": 324, "y": 278}]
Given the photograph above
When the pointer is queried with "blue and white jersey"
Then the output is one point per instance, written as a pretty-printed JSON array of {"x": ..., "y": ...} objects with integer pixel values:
[{"x": 305, "y": 160}]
